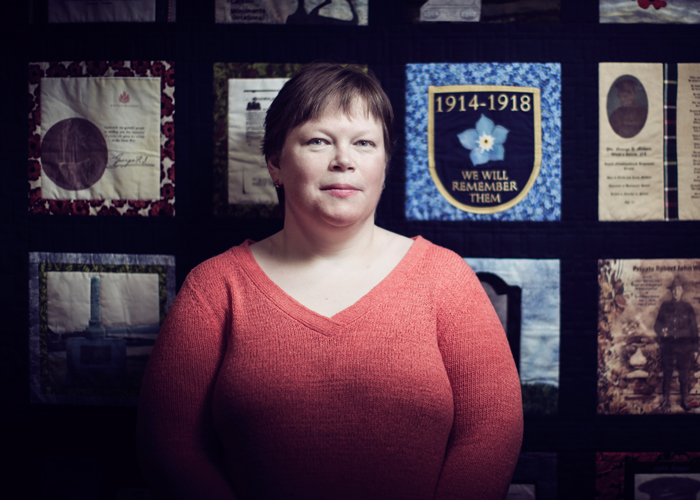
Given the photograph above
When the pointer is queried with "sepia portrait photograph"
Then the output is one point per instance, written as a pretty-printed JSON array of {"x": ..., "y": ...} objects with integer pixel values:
[
  {"x": 627, "y": 106},
  {"x": 648, "y": 336}
]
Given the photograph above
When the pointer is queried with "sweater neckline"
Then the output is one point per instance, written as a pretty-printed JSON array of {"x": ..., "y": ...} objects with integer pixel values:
[{"x": 336, "y": 323}]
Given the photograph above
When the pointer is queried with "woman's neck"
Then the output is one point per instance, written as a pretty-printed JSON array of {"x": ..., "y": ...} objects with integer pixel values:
[{"x": 305, "y": 242}]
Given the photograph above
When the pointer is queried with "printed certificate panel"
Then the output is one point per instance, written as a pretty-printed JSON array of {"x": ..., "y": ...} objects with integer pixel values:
[
  {"x": 102, "y": 138},
  {"x": 93, "y": 321},
  {"x": 485, "y": 11},
  {"x": 242, "y": 94},
  {"x": 328, "y": 12},
  {"x": 648, "y": 336},
  {"x": 631, "y": 145},
  {"x": 688, "y": 141},
  {"x": 526, "y": 296},
  {"x": 535, "y": 477},
  {"x": 249, "y": 180},
  {"x": 649, "y": 11},
  {"x": 649, "y": 156},
  {"x": 483, "y": 141},
  {"x": 122, "y": 11},
  {"x": 647, "y": 475}
]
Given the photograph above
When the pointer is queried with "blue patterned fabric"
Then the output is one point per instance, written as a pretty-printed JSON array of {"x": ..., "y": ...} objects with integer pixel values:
[{"x": 423, "y": 200}]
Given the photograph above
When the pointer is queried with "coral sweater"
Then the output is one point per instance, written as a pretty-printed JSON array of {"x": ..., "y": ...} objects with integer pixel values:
[{"x": 410, "y": 393}]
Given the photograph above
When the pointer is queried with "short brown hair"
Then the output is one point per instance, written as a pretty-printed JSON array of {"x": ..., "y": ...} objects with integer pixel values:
[{"x": 315, "y": 86}]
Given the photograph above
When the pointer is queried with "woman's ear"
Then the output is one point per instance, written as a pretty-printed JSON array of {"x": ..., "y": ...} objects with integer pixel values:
[{"x": 273, "y": 168}]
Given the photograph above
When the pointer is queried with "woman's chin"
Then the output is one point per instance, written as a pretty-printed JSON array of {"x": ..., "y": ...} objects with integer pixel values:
[{"x": 343, "y": 217}]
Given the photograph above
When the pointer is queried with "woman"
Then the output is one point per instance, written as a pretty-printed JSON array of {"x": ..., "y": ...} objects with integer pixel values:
[{"x": 333, "y": 359}]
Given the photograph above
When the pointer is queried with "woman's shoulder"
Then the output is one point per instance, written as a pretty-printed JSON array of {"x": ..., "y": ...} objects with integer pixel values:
[
  {"x": 220, "y": 269},
  {"x": 439, "y": 266},
  {"x": 438, "y": 257}
]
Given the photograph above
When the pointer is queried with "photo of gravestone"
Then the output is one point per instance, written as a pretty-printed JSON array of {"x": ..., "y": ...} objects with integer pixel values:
[
  {"x": 94, "y": 319},
  {"x": 525, "y": 294}
]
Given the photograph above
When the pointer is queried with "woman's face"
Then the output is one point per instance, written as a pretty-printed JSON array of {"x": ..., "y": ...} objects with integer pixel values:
[{"x": 332, "y": 168}]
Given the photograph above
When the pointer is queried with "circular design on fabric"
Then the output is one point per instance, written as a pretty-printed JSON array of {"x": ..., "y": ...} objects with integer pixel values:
[{"x": 74, "y": 154}]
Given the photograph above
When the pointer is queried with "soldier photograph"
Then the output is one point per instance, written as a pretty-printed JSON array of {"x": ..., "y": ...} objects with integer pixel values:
[
  {"x": 677, "y": 331},
  {"x": 629, "y": 117}
]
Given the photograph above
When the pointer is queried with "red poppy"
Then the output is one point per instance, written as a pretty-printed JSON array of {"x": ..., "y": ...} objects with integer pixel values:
[
  {"x": 35, "y": 73},
  {"x": 161, "y": 208},
  {"x": 123, "y": 72},
  {"x": 168, "y": 129},
  {"x": 75, "y": 69},
  {"x": 658, "y": 4},
  {"x": 167, "y": 191},
  {"x": 35, "y": 146},
  {"x": 171, "y": 173},
  {"x": 96, "y": 68},
  {"x": 60, "y": 207},
  {"x": 132, "y": 212},
  {"x": 138, "y": 204},
  {"x": 116, "y": 64},
  {"x": 118, "y": 203},
  {"x": 168, "y": 149},
  {"x": 31, "y": 126},
  {"x": 108, "y": 211},
  {"x": 81, "y": 207},
  {"x": 39, "y": 209},
  {"x": 34, "y": 170},
  {"x": 141, "y": 67},
  {"x": 96, "y": 203},
  {"x": 166, "y": 106},
  {"x": 169, "y": 77},
  {"x": 35, "y": 196},
  {"x": 56, "y": 70},
  {"x": 158, "y": 69}
]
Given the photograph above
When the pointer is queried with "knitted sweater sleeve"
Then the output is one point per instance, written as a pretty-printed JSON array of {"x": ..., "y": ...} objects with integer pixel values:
[
  {"x": 178, "y": 448},
  {"x": 486, "y": 435}
]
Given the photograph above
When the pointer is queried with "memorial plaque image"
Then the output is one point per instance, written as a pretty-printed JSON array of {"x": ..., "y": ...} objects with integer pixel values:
[
  {"x": 648, "y": 336},
  {"x": 93, "y": 321}
]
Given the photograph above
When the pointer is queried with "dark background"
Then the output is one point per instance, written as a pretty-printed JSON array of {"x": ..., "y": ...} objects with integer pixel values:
[{"x": 104, "y": 436}]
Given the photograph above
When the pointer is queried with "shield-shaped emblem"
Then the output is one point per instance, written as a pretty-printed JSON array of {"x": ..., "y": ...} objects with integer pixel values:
[{"x": 484, "y": 144}]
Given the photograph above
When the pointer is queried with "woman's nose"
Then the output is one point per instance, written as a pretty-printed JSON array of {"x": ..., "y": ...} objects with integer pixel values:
[{"x": 343, "y": 159}]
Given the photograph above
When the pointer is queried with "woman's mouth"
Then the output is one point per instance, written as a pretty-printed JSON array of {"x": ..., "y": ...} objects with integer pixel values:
[{"x": 340, "y": 190}]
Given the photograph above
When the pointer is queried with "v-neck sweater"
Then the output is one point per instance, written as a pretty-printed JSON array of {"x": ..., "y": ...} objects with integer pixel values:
[{"x": 409, "y": 393}]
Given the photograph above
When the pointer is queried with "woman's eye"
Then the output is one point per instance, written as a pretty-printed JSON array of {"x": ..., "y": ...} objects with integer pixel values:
[
  {"x": 316, "y": 142},
  {"x": 365, "y": 143}
]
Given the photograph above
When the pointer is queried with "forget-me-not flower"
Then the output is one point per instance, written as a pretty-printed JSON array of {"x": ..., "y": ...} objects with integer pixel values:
[{"x": 485, "y": 141}]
